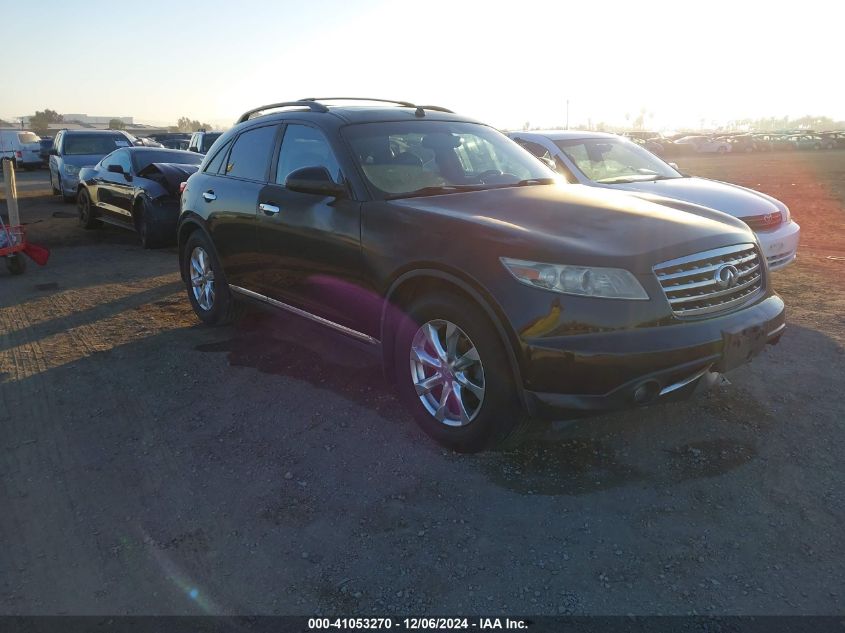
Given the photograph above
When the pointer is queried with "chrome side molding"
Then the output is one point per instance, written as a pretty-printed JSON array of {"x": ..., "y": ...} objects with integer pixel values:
[{"x": 366, "y": 338}]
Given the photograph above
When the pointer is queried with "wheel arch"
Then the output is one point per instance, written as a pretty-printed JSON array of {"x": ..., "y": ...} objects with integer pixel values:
[
  {"x": 188, "y": 223},
  {"x": 410, "y": 283}
]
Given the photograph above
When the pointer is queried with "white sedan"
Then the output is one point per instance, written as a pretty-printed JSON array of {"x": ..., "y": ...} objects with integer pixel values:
[{"x": 596, "y": 159}]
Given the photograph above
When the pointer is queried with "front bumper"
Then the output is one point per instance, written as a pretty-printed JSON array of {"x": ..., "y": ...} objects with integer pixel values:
[
  {"x": 615, "y": 370},
  {"x": 781, "y": 245},
  {"x": 70, "y": 184}
]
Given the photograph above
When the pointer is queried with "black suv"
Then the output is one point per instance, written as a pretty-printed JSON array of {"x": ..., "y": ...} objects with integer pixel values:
[{"x": 493, "y": 293}]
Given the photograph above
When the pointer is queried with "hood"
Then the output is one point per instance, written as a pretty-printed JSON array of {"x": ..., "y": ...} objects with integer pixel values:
[
  {"x": 82, "y": 160},
  {"x": 733, "y": 199},
  {"x": 168, "y": 175},
  {"x": 587, "y": 225}
]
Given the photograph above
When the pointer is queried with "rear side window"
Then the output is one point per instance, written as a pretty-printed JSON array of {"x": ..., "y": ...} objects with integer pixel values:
[
  {"x": 250, "y": 156},
  {"x": 214, "y": 164}
]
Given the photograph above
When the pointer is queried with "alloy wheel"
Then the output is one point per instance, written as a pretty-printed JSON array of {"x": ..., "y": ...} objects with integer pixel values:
[
  {"x": 202, "y": 278},
  {"x": 447, "y": 372}
]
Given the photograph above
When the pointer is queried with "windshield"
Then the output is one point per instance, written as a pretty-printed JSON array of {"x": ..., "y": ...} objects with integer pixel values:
[
  {"x": 613, "y": 161},
  {"x": 28, "y": 137},
  {"x": 81, "y": 144},
  {"x": 408, "y": 158},
  {"x": 144, "y": 158}
]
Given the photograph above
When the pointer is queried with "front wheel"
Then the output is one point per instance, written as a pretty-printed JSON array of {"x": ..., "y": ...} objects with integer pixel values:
[
  {"x": 453, "y": 374},
  {"x": 86, "y": 212},
  {"x": 208, "y": 291}
]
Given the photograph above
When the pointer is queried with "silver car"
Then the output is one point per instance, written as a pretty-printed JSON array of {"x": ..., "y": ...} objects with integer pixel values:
[
  {"x": 74, "y": 149},
  {"x": 604, "y": 160}
]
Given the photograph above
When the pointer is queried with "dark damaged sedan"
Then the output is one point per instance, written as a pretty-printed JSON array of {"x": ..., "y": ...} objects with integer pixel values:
[
  {"x": 136, "y": 188},
  {"x": 493, "y": 293}
]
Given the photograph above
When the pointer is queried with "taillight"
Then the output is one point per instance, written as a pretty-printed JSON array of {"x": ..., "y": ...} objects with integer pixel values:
[{"x": 182, "y": 186}]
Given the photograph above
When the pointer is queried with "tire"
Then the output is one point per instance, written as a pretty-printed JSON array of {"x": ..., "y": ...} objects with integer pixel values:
[
  {"x": 56, "y": 192},
  {"x": 86, "y": 213},
  {"x": 468, "y": 423},
  {"x": 16, "y": 264},
  {"x": 149, "y": 227},
  {"x": 216, "y": 306}
]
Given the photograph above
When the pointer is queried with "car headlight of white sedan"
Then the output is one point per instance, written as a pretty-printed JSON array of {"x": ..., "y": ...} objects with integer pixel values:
[{"x": 71, "y": 170}]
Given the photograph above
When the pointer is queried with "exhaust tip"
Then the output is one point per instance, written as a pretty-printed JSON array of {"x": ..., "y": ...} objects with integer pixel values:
[{"x": 646, "y": 392}]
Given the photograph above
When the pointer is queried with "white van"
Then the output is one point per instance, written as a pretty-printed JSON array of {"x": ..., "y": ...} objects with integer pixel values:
[{"x": 21, "y": 145}]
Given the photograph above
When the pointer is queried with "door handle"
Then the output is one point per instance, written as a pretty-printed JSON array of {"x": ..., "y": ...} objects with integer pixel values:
[
  {"x": 208, "y": 196},
  {"x": 269, "y": 209}
]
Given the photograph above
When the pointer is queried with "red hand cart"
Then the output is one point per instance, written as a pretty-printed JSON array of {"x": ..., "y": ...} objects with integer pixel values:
[{"x": 12, "y": 245}]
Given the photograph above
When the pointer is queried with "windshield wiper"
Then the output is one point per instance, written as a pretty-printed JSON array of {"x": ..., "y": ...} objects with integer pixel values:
[
  {"x": 640, "y": 178},
  {"x": 435, "y": 190},
  {"x": 441, "y": 189},
  {"x": 533, "y": 181}
]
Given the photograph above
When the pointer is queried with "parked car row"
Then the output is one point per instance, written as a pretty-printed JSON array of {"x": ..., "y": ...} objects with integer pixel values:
[
  {"x": 32, "y": 152},
  {"x": 681, "y": 144},
  {"x": 493, "y": 290}
]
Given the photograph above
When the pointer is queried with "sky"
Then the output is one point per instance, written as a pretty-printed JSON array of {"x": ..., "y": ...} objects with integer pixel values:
[{"x": 683, "y": 62}]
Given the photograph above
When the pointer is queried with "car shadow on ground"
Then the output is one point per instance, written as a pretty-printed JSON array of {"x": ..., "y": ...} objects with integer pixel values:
[{"x": 708, "y": 435}]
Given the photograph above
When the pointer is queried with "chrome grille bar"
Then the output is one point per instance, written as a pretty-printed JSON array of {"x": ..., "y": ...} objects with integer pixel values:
[{"x": 713, "y": 281}]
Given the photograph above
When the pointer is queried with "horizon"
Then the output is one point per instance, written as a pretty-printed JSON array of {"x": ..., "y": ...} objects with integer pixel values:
[{"x": 688, "y": 67}]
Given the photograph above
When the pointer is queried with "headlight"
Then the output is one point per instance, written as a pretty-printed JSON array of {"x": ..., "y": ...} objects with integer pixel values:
[
  {"x": 71, "y": 170},
  {"x": 605, "y": 283}
]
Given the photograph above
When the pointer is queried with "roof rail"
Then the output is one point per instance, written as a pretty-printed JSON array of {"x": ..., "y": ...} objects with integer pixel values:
[
  {"x": 311, "y": 105},
  {"x": 405, "y": 104}
]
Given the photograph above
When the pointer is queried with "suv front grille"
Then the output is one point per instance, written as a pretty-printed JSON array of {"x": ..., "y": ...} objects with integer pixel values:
[{"x": 713, "y": 281}]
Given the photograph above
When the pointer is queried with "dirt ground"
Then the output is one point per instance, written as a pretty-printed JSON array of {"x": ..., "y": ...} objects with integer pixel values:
[{"x": 149, "y": 465}]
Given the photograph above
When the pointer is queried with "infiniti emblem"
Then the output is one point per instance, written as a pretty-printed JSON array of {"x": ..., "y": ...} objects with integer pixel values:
[{"x": 726, "y": 276}]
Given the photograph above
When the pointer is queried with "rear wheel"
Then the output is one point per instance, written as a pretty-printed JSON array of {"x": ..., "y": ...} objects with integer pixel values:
[
  {"x": 86, "y": 212},
  {"x": 208, "y": 291},
  {"x": 453, "y": 374}
]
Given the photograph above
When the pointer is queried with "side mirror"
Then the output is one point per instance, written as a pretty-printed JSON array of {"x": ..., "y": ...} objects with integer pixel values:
[
  {"x": 315, "y": 180},
  {"x": 116, "y": 169},
  {"x": 54, "y": 151}
]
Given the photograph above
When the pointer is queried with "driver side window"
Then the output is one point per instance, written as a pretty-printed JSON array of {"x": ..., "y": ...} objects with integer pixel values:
[{"x": 304, "y": 146}]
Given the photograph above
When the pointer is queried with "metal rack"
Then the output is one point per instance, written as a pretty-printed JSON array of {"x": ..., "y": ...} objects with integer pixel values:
[{"x": 315, "y": 104}]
